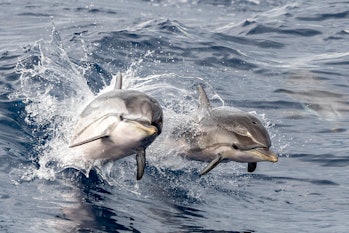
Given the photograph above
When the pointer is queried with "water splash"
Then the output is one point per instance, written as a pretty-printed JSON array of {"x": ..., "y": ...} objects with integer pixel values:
[
  {"x": 55, "y": 91},
  {"x": 52, "y": 88}
]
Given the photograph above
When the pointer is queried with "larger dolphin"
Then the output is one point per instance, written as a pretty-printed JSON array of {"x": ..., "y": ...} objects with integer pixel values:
[
  {"x": 117, "y": 124},
  {"x": 226, "y": 134}
]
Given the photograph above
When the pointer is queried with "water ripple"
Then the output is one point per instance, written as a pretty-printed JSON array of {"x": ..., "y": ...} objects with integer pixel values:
[
  {"x": 326, "y": 160},
  {"x": 326, "y": 16},
  {"x": 262, "y": 43},
  {"x": 304, "y": 32}
]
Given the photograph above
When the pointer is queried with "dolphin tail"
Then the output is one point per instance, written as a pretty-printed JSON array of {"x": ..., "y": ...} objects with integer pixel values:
[
  {"x": 140, "y": 158},
  {"x": 211, "y": 165}
]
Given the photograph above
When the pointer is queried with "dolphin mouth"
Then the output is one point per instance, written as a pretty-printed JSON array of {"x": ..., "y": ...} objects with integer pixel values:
[
  {"x": 265, "y": 154},
  {"x": 145, "y": 126}
]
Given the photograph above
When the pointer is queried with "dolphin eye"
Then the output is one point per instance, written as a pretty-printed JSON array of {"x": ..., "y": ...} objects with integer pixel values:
[
  {"x": 254, "y": 122},
  {"x": 235, "y": 146}
]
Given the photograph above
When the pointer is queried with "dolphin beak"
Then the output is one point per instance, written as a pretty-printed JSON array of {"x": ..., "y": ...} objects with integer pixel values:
[
  {"x": 147, "y": 128},
  {"x": 265, "y": 154}
]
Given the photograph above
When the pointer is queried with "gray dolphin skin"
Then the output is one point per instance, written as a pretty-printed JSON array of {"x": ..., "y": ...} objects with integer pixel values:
[
  {"x": 117, "y": 124},
  {"x": 227, "y": 134}
]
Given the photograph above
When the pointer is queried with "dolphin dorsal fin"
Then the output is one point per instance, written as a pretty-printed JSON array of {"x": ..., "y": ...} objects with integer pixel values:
[
  {"x": 204, "y": 103},
  {"x": 118, "y": 82}
]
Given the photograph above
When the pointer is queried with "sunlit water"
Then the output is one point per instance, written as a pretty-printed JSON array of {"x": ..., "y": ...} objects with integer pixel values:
[{"x": 285, "y": 61}]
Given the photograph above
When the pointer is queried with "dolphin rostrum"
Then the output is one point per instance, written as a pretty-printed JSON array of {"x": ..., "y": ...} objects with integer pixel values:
[
  {"x": 117, "y": 124},
  {"x": 226, "y": 134}
]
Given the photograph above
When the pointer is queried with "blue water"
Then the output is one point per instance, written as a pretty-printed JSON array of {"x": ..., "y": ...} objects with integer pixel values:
[{"x": 286, "y": 61}]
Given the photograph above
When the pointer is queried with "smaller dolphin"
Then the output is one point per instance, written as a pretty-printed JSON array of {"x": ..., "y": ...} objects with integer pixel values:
[
  {"x": 226, "y": 134},
  {"x": 117, "y": 124}
]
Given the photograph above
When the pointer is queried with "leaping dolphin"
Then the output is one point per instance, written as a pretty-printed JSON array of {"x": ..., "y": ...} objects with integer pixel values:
[
  {"x": 226, "y": 134},
  {"x": 117, "y": 124}
]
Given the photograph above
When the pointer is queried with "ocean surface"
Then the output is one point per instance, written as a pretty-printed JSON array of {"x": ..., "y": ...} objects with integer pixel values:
[{"x": 285, "y": 61}]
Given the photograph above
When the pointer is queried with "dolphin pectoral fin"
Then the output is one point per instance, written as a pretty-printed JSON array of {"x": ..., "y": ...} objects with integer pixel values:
[
  {"x": 211, "y": 165},
  {"x": 140, "y": 158},
  {"x": 89, "y": 140},
  {"x": 97, "y": 129},
  {"x": 251, "y": 167}
]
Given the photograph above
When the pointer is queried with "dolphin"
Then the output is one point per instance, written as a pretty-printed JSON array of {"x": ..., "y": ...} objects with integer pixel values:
[
  {"x": 117, "y": 124},
  {"x": 226, "y": 134}
]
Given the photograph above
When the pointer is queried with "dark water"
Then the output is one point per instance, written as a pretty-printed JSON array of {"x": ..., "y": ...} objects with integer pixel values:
[{"x": 287, "y": 61}]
